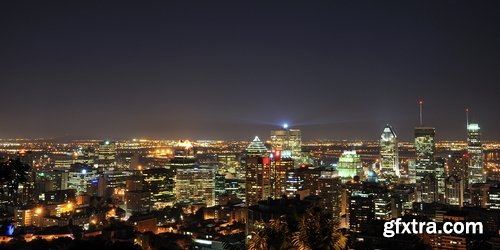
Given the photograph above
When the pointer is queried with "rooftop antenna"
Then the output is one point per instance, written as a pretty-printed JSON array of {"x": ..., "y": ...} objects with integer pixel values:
[
  {"x": 420, "y": 103},
  {"x": 467, "y": 116}
]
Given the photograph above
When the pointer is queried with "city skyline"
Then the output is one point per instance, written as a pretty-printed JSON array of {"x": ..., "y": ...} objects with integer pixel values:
[{"x": 234, "y": 70}]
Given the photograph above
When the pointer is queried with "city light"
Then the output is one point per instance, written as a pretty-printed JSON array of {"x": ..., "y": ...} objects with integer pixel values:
[{"x": 135, "y": 126}]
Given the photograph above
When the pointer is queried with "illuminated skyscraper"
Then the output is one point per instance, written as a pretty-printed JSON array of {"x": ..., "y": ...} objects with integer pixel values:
[
  {"x": 494, "y": 198},
  {"x": 106, "y": 155},
  {"x": 361, "y": 210},
  {"x": 475, "y": 152},
  {"x": 330, "y": 192},
  {"x": 429, "y": 188},
  {"x": 183, "y": 155},
  {"x": 349, "y": 165},
  {"x": 257, "y": 166},
  {"x": 159, "y": 182},
  {"x": 220, "y": 187},
  {"x": 289, "y": 141},
  {"x": 280, "y": 165},
  {"x": 425, "y": 149},
  {"x": 457, "y": 165},
  {"x": 389, "y": 159},
  {"x": 195, "y": 185},
  {"x": 454, "y": 187}
]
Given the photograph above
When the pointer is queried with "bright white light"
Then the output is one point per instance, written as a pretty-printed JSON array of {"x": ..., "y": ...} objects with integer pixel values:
[
  {"x": 84, "y": 171},
  {"x": 206, "y": 242},
  {"x": 285, "y": 126}
]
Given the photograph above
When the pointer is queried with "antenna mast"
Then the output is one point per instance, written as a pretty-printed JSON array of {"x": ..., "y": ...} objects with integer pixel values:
[
  {"x": 420, "y": 103},
  {"x": 467, "y": 116}
]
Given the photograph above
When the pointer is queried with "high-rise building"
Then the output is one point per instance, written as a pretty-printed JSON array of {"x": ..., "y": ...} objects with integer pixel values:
[
  {"x": 457, "y": 166},
  {"x": 330, "y": 192},
  {"x": 454, "y": 191},
  {"x": 479, "y": 194},
  {"x": 160, "y": 183},
  {"x": 383, "y": 205},
  {"x": 361, "y": 210},
  {"x": 288, "y": 141},
  {"x": 494, "y": 198},
  {"x": 137, "y": 199},
  {"x": 183, "y": 155},
  {"x": 425, "y": 149},
  {"x": 220, "y": 187},
  {"x": 349, "y": 165},
  {"x": 302, "y": 179},
  {"x": 195, "y": 185},
  {"x": 404, "y": 197},
  {"x": 439, "y": 173},
  {"x": 429, "y": 188},
  {"x": 80, "y": 177},
  {"x": 389, "y": 158},
  {"x": 412, "y": 171},
  {"x": 258, "y": 172},
  {"x": 280, "y": 165},
  {"x": 106, "y": 153},
  {"x": 475, "y": 153}
]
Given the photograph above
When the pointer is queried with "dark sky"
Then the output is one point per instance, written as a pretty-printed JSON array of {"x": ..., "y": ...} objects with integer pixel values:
[{"x": 229, "y": 70}]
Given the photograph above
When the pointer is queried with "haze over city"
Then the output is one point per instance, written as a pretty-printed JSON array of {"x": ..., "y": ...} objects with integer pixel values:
[{"x": 232, "y": 70}]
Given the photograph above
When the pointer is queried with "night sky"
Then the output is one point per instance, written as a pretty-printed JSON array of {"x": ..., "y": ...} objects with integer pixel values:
[{"x": 236, "y": 69}]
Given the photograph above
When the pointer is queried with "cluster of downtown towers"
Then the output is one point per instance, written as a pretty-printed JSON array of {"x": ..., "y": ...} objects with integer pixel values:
[{"x": 279, "y": 172}]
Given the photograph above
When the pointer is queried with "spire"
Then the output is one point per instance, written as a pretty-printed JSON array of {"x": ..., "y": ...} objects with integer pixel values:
[
  {"x": 256, "y": 146},
  {"x": 420, "y": 103},
  {"x": 388, "y": 133},
  {"x": 467, "y": 116}
]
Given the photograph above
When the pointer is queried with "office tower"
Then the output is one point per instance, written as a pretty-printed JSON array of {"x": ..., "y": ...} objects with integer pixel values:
[
  {"x": 479, "y": 194},
  {"x": 475, "y": 153},
  {"x": 454, "y": 191},
  {"x": 294, "y": 183},
  {"x": 330, "y": 192},
  {"x": 494, "y": 198},
  {"x": 183, "y": 155},
  {"x": 425, "y": 149},
  {"x": 258, "y": 172},
  {"x": 280, "y": 165},
  {"x": 304, "y": 180},
  {"x": 137, "y": 198},
  {"x": 235, "y": 187},
  {"x": 439, "y": 173},
  {"x": 195, "y": 185},
  {"x": 412, "y": 171},
  {"x": 289, "y": 141},
  {"x": 60, "y": 178},
  {"x": 349, "y": 165},
  {"x": 160, "y": 183},
  {"x": 389, "y": 158},
  {"x": 102, "y": 186},
  {"x": 229, "y": 163},
  {"x": 106, "y": 153},
  {"x": 429, "y": 188},
  {"x": 457, "y": 166},
  {"x": 405, "y": 196},
  {"x": 220, "y": 187},
  {"x": 80, "y": 177},
  {"x": 382, "y": 205},
  {"x": 361, "y": 210}
]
